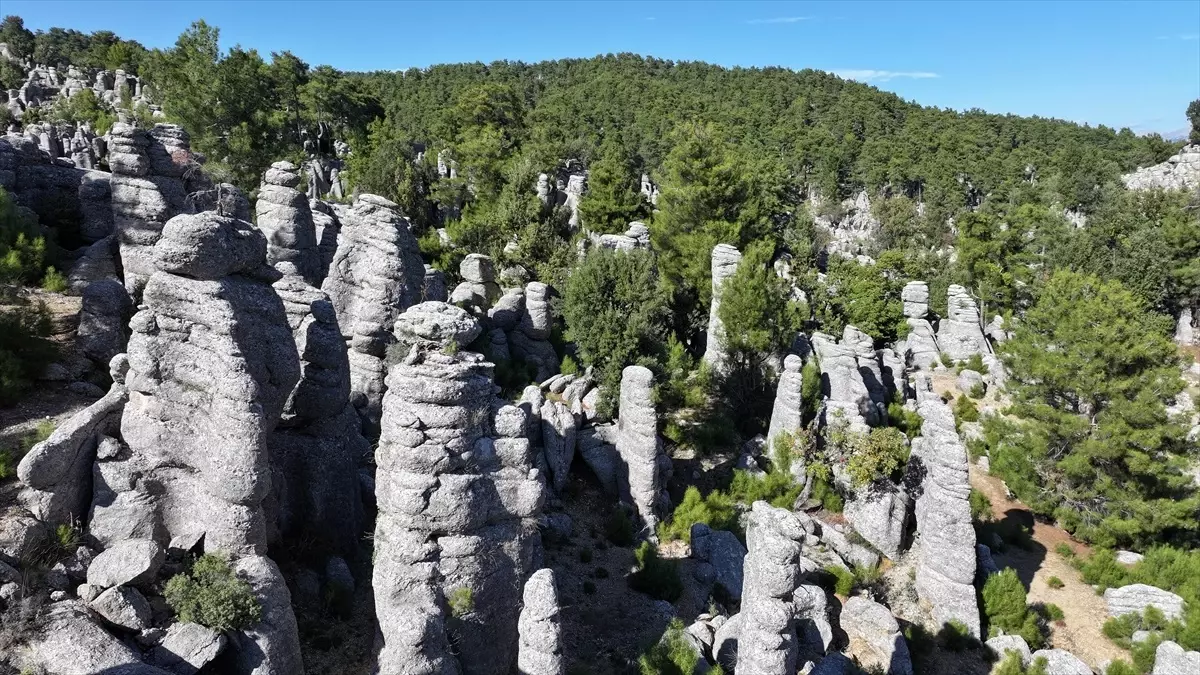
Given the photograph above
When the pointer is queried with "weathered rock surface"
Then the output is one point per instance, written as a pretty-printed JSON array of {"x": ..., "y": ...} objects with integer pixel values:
[
  {"x": 1179, "y": 172},
  {"x": 869, "y": 368},
  {"x": 879, "y": 513},
  {"x": 129, "y": 562},
  {"x": 272, "y": 645},
  {"x": 946, "y": 555},
  {"x": 638, "y": 444},
  {"x": 787, "y": 413},
  {"x": 375, "y": 275},
  {"x": 457, "y": 517},
  {"x": 915, "y": 296},
  {"x": 71, "y": 641},
  {"x": 722, "y": 550},
  {"x": 211, "y": 365},
  {"x": 478, "y": 289},
  {"x": 960, "y": 334},
  {"x": 1062, "y": 662},
  {"x": 123, "y": 607},
  {"x": 284, "y": 216},
  {"x": 187, "y": 648},
  {"x": 1002, "y": 644},
  {"x": 875, "y": 638},
  {"x": 541, "y": 646},
  {"x": 1171, "y": 659},
  {"x": 1135, "y": 598},
  {"x": 725, "y": 259},
  {"x": 767, "y": 634},
  {"x": 846, "y": 395}
]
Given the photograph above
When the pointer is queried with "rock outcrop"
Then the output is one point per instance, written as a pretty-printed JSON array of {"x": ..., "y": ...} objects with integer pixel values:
[
  {"x": 479, "y": 289},
  {"x": 375, "y": 275},
  {"x": 875, "y": 638},
  {"x": 1062, "y": 662},
  {"x": 284, "y": 216},
  {"x": 638, "y": 444},
  {"x": 725, "y": 259},
  {"x": 767, "y": 638},
  {"x": 1171, "y": 659},
  {"x": 787, "y": 413},
  {"x": 541, "y": 649},
  {"x": 879, "y": 513},
  {"x": 846, "y": 395},
  {"x": 1179, "y": 172},
  {"x": 946, "y": 555},
  {"x": 1135, "y": 598},
  {"x": 530, "y": 340},
  {"x": 456, "y": 534},
  {"x": 211, "y": 364},
  {"x": 960, "y": 334}
]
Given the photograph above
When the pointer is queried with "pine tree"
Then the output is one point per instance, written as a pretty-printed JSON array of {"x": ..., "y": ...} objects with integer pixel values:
[{"x": 614, "y": 195}]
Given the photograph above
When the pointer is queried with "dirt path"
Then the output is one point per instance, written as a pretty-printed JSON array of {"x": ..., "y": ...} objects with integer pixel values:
[{"x": 1084, "y": 612}]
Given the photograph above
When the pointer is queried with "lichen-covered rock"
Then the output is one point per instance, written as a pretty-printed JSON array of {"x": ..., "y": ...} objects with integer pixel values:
[
  {"x": 376, "y": 274},
  {"x": 541, "y": 650},
  {"x": 638, "y": 444},
  {"x": 129, "y": 562},
  {"x": 960, "y": 334},
  {"x": 56, "y": 473},
  {"x": 869, "y": 368},
  {"x": 767, "y": 634},
  {"x": 1135, "y": 598},
  {"x": 875, "y": 638},
  {"x": 946, "y": 554},
  {"x": 846, "y": 395},
  {"x": 123, "y": 607},
  {"x": 1171, "y": 659},
  {"x": 439, "y": 322},
  {"x": 725, "y": 259},
  {"x": 284, "y": 216},
  {"x": 71, "y": 641},
  {"x": 457, "y": 529}
]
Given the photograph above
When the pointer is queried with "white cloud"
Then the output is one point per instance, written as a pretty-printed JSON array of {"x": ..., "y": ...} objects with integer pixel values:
[
  {"x": 867, "y": 75},
  {"x": 778, "y": 19}
]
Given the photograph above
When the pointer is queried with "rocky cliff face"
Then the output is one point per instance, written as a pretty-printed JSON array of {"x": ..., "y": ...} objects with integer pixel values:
[{"x": 1179, "y": 172}]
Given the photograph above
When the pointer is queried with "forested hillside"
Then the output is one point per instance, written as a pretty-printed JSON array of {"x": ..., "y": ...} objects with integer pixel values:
[{"x": 672, "y": 303}]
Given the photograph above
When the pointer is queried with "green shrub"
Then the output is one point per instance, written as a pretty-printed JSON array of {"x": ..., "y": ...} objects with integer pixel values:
[
  {"x": 23, "y": 248},
  {"x": 461, "y": 601},
  {"x": 877, "y": 455},
  {"x": 211, "y": 595},
  {"x": 25, "y": 349},
  {"x": 974, "y": 363},
  {"x": 11, "y": 456},
  {"x": 619, "y": 529},
  {"x": 1055, "y": 583},
  {"x": 67, "y": 537},
  {"x": 1005, "y": 607},
  {"x": 1121, "y": 667},
  {"x": 673, "y": 654},
  {"x": 908, "y": 421},
  {"x": 54, "y": 281},
  {"x": 715, "y": 510},
  {"x": 1064, "y": 549},
  {"x": 847, "y": 581},
  {"x": 655, "y": 576},
  {"x": 568, "y": 366},
  {"x": 964, "y": 410},
  {"x": 981, "y": 506},
  {"x": 955, "y": 636},
  {"x": 978, "y": 390},
  {"x": 1012, "y": 665},
  {"x": 1053, "y": 612}
]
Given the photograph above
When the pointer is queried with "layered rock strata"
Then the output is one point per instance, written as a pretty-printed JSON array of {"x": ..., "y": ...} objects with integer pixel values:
[
  {"x": 541, "y": 648},
  {"x": 284, "y": 216},
  {"x": 639, "y": 446},
  {"x": 767, "y": 638},
  {"x": 960, "y": 334},
  {"x": 725, "y": 259}
]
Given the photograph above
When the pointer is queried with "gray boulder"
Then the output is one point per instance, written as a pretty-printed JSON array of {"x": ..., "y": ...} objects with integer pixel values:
[
  {"x": 879, "y": 513},
  {"x": 724, "y": 552},
  {"x": 123, "y": 607},
  {"x": 273, "y": 644},
  {"x": 558, "y": 441},
  {"x": 787, "y": 413},
  {"x": 1135, "y": 598},
  {"x": 541, "y": 649},
  {"x": 129, "y": 562},
  {"x": 1002, "y": 644},
  {"x": 104, "y": 312},
  {"x": 968, "y": 380},
  {"x": 1062, "y": 662},
  {"x": 875, "y": 638},
  {"x": 960, "y": 334},
  {"x": 284, "y": 216},
  {"x": 1171, "y": 659},
  {"x": 71, "y": 641},
  {"x": 846, "y": 394},
  {"x": 187, "y": 648},
  {"x": 915, "y": 296}
]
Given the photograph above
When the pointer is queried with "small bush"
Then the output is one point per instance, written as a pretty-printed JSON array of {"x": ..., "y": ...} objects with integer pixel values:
[
  {"x": 461, "y": 601},
  {"x": 1055, "y": 583},
  {"x": 1064, "y": 549},
  {"x": 211, "y": 595},
  {"x": 25, "y": 349},
  {"x": 656, "y": 577},
  {"x": 908, "y": 421},
  {"x": 568, "y": 366},
  {"x": 68, "y": 537},
  {"x": 619, "y": 529},
  {"x": 843, "y": 579},
  {"x": 974, "y": 363},
  {"x": 1121, "y": 667},
  {"x": 671, "y": 655},
  {"x": 715, "y": 510},
  {"x": 1012, "y": 665},
  {"x": 54, "y": 281},
  {"x": 981, "y": 506},
  {"x": 1005, "y": 607},
  {"x": 964, "y": 410},
  {"x": 955, "y": 636},
  {"x": 978, "y": 390},
  {"x": 1053, "y": 612}
]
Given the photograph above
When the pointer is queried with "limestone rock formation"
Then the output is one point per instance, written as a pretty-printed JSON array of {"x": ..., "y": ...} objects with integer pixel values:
[
  {"x": 767, "y": 637},
  {"x": 71, "y": 641},
  {"x": 105, "y": 309},
  {"x": 960, "y": 334},
  {"x": 869, "y": 368},
  {"x": 1179, "y": 172},
  {"x": 946, "y": 554},
  {"x": 722, "y": 550},
  {"x": 916, "y": 299},
  {"x": 211, "y": 364},
  {"x": 284, "y": 216},
  {"x": 188, "y": 647},
  {"x": 1001, "y": 645},
  {"x": 456, "y": 533},
  {"x": 375, "y": 275},
  {"x": 875, "y": 638},
  {"x": 725, "y": 259},
  {"x": 530, "y": 340},
  {"x": 879, "y": 513},
  {"x": 1135, "y": 598},
  {"x": 541, "y": 649},
  {"x": 1062, "y": 662},
  {"x": 846, "y": 395},
  {"x": 478, "y": 289},
  {"x": 638, "y": 444}
]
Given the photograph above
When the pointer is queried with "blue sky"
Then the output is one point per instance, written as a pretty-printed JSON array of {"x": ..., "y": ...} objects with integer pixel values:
[{"x": 1134, "y": 64}]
